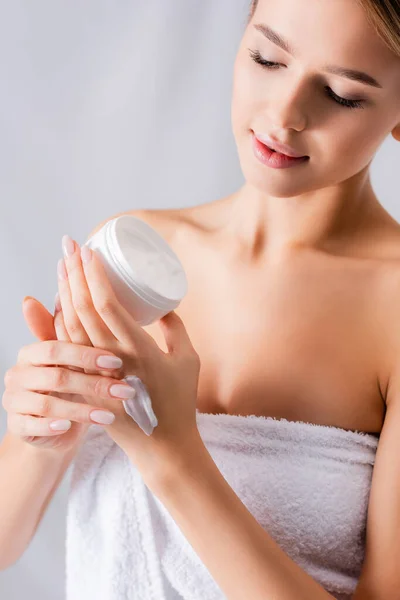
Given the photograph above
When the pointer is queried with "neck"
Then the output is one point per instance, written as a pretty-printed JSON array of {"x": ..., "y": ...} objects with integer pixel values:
[{"x": 271, "y": 227}]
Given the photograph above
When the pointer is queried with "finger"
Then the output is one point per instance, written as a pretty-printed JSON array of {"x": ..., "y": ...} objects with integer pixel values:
[
  {"x": 119, "y": 321},
  {"x": 73, "y": 325},
  {"x": 79, "y": 335},
  {"x": 38, "y": 319},
  {"x": 81, "y": 302},
  {"x": 59, "y": 379},
  {"x": 27, "y": 426},
  {"x": 54, "y": 352},
  {"x": 59, "y": 325},
  {"x": 62, "y": 335},
  {"x": 51, "y": 407}
]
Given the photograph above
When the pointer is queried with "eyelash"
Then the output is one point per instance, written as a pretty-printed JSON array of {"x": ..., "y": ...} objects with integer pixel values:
[{"x": 256, "y": 56}]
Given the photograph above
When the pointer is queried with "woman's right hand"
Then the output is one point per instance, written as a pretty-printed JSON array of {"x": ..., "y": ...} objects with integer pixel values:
[{"x": 42, "y": 369}]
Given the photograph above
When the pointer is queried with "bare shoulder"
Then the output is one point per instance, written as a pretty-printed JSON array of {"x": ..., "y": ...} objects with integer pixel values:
[
  {"x": 164, "y": 221},
  {"x": 181, "y": 224},
  {"x": 386, "y": 306}
]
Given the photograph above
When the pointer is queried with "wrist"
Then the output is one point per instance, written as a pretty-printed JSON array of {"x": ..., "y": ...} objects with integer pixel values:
[{"x": 177, "y": 463}]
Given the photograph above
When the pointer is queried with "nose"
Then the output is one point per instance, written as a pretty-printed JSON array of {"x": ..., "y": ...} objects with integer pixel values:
[{"x": 288, "y": 109}]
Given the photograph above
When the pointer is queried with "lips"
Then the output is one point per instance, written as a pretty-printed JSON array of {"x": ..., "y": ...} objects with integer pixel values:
[
  {"x": 275, "y": 160},
  {"x": 277, "y": 146}
]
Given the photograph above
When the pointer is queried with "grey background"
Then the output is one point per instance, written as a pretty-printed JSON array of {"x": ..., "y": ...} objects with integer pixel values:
[{"x": 108, "y": 106}]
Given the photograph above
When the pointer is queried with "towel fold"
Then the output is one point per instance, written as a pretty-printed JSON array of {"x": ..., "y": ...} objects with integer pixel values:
[{"x": 307, "y": 485}]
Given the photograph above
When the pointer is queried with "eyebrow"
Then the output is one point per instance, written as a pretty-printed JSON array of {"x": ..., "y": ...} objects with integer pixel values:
[{"x": 352, "y": 74}]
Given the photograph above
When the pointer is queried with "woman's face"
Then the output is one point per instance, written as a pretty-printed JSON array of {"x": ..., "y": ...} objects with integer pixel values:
[{"x": 291, "y": 100}]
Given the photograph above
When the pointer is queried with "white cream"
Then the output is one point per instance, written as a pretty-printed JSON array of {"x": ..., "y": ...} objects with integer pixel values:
[{"x": 140, "y": 408}]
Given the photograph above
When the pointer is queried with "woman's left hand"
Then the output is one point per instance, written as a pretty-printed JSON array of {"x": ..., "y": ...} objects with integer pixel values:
[{"x": 88, "y": 301}]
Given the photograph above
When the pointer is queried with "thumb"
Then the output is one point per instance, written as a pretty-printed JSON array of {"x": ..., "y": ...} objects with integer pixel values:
[
  {"x": 175, "y": 334},
  {"x": 39, "y": 320}
]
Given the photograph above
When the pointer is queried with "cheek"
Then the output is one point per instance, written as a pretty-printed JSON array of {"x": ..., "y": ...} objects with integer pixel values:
[
  {"x": 244, "y": 112},
  {"x": 355, "y": 147}
]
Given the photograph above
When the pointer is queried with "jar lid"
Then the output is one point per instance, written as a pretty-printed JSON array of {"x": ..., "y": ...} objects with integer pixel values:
[{"x": 159, "y": 273}]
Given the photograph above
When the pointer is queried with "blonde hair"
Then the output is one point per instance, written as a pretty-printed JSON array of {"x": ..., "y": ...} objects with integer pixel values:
[{"x": 383, "y": 15}]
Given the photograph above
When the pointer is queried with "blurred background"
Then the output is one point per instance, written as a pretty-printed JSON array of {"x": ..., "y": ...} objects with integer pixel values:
[{"x": 106, "y": 107}]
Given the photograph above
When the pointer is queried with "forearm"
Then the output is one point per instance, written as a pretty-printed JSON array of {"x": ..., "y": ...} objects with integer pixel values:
[
  {"x": 28, "y": 477},
  {"x": 240, "y": 555}
]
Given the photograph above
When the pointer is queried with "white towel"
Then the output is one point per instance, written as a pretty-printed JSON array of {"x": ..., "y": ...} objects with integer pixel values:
[{"x": 307, "y": 485}]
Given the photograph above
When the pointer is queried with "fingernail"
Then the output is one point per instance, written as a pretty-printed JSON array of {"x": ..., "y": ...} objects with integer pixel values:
[
  {"x": 62, "y": 425},
  {"x": 109, "y": 362},
  {"x": 122, "y": 391},
  {"x": 61, "y": 269},
  {"x": 68, "y": 246},
  {"x": 86, "y": 254},
  {"x": 102, "y": 416}
]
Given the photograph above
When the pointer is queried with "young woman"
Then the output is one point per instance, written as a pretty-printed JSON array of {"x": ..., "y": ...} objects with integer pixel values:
[{"x": 293, "y": 311}]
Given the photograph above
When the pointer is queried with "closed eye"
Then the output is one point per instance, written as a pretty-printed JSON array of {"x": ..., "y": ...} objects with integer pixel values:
[{"x": 266, "y": 64}]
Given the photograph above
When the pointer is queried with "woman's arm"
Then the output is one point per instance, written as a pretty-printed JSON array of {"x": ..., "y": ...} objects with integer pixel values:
[{"x": 242, "y": 558}]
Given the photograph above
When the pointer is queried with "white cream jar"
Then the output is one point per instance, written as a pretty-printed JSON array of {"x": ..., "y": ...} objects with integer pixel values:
[{"x": 145, "y": 273}]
